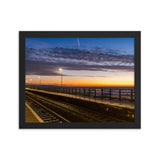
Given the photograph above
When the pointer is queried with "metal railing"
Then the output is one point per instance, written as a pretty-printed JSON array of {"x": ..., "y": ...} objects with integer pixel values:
[{"x": 98, "y": 93}]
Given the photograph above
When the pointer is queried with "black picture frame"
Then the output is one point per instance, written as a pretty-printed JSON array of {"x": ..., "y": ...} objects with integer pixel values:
[{"x": 135, "y": 34}]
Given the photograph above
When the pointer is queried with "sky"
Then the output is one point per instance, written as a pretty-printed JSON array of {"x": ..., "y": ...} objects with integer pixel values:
[{"x": 84, "y": 61}]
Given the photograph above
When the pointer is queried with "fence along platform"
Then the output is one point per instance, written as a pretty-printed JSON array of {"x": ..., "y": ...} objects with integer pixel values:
[
  {"x": 127, "y": 94},
  {"x": 99, "y": 93},
  {"x": 115, "y": 102}
]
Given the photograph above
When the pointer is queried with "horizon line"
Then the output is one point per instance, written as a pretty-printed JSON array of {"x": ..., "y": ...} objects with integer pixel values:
[{"x": 81, "y": 85}]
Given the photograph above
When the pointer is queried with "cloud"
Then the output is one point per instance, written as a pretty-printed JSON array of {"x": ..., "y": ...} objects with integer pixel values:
[{"x": 47, "y": 61}]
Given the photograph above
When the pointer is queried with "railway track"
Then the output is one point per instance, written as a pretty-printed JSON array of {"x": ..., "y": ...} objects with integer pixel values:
[
  {"x": 70, "y": 112},
  {"x": 47, "y": 115}
]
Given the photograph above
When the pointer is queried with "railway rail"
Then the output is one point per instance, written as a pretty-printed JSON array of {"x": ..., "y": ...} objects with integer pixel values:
[{"x": 46, "y": 114}]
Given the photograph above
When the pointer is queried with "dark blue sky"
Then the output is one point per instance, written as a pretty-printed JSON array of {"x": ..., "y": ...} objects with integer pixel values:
[{"x": 125, "y": 44}]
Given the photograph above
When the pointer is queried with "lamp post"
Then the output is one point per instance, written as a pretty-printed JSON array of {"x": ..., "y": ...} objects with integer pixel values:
[
  {"x": 26, "y": 84},
  {"x": 31, "y": 81},
  {"x": 60, "y": 69},
  {"x": 39, "y": 80}
]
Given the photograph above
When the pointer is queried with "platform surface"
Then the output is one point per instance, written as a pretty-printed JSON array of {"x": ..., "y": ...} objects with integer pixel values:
[{"x": 29, "y": 116}]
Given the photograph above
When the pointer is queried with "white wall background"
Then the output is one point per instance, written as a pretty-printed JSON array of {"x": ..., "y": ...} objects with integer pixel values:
[{"x": 50, "y": 15}]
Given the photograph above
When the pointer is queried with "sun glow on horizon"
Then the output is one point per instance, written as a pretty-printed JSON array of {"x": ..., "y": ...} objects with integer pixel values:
[{"x": 127, "y": 81}]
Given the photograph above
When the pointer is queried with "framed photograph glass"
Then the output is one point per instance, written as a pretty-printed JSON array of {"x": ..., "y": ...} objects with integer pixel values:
[{"x": 79, "y": 79}]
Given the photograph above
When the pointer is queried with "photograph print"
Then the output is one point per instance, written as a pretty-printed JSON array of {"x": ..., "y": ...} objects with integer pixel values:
[{"x": 77, "y": 80}]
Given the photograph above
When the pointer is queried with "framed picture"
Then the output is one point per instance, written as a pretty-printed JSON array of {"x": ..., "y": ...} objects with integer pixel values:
[{"x": 79, "y": 79}]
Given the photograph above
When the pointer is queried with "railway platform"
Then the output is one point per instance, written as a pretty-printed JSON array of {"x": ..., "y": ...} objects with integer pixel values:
[
  {"x": 31, "y": 116},
  {"x": 124, "y": 104}
]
